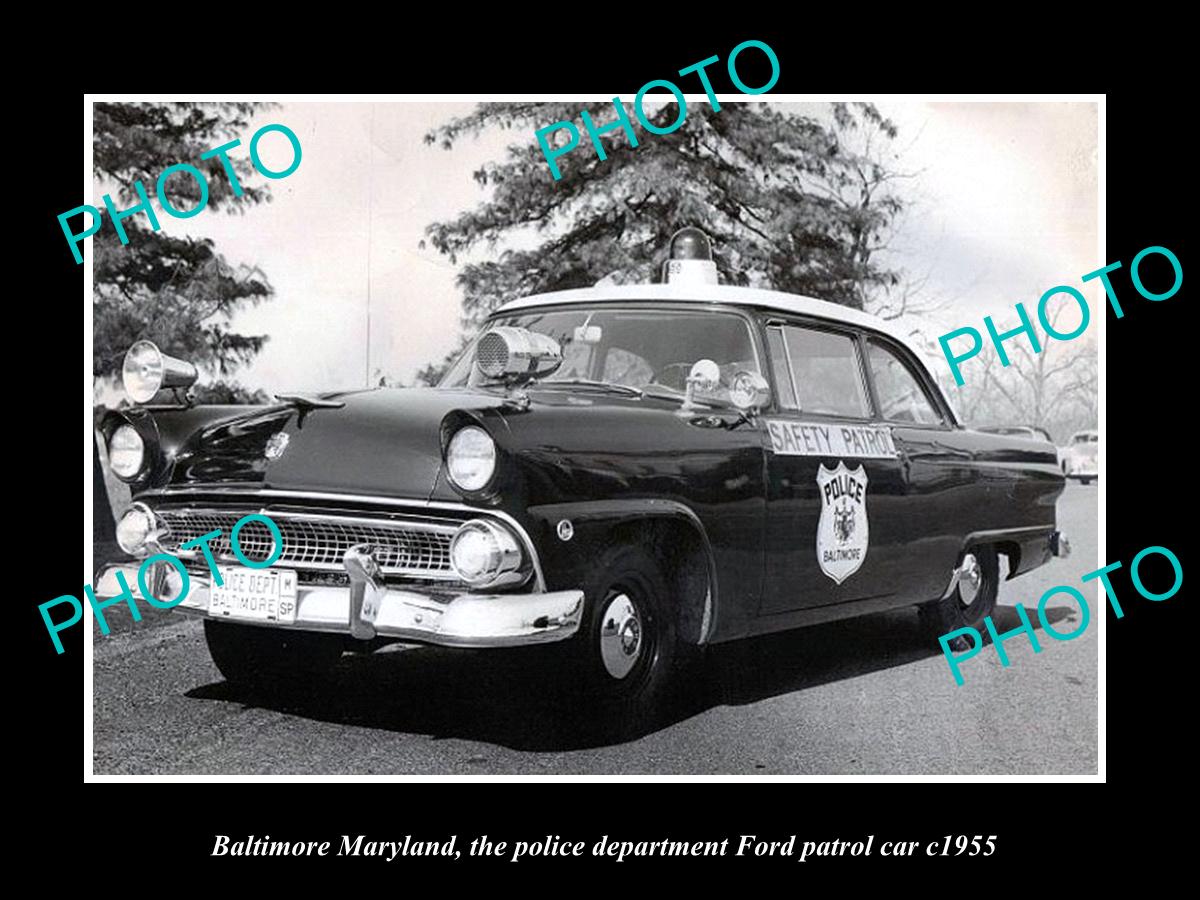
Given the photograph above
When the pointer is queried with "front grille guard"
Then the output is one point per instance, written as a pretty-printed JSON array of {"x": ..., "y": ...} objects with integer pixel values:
[{"x": 315, "y": 543}]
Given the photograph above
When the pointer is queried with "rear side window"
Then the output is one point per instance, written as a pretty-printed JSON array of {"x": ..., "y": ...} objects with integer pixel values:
[
  {"x": 817, "y": 372},
  {"x": 902, "y": 398}
]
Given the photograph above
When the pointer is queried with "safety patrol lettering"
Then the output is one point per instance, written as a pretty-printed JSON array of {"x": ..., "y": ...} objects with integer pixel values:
[{"x": 817, "y": 439}]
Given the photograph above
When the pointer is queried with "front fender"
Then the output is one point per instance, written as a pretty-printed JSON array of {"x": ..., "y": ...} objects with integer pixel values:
[{"x": 592, "y": 524}]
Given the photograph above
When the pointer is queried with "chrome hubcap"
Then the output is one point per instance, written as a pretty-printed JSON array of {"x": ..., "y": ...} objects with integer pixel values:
[
  {"x": 970, "y": 580},
  {"x": 620, "y": 636}
]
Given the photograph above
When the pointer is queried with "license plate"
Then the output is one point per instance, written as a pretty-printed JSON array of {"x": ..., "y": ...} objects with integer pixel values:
[{"x": 259, "y": 595}]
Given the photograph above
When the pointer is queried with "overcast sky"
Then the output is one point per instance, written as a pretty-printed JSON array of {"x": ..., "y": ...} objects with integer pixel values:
[{"x": 1005, "y": 206}]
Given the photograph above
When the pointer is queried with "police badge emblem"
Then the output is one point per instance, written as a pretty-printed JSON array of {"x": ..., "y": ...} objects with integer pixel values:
[{"x": 843, "y": 532}]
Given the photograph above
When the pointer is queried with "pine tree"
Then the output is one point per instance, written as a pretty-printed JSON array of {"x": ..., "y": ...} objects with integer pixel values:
[{"x": 792, "y": 202}]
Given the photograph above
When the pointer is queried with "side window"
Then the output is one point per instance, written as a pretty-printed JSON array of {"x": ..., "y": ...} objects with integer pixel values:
[
  {"x": 820, "y": 372},
  {"x": 901, "y": 396}
]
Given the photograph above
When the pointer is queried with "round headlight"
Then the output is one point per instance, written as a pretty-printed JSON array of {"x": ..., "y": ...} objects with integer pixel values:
[
  {"x": 482, "y": 553},
  {"x": 135, "y": 529},
  {"x": 126, "y": 452},
  {"x": 142, "y": 372},
  {"x": 471, "y": 458}
]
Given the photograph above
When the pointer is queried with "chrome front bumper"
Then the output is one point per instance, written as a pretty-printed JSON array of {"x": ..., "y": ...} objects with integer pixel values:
[{"x": 368, "y": 609}]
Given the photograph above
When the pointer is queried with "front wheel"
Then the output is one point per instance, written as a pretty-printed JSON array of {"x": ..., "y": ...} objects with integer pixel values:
[
  {"x": 255, "y": 655},
  {"x": 970, "y": 602},
  {"x": 627, "y": 644}
]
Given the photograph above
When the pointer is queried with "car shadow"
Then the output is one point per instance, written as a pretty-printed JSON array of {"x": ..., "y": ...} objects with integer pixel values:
[{"x": 516, "y": 699}]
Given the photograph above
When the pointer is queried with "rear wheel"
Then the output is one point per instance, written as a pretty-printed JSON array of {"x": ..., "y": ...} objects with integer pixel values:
[
  {"x": 970, "y": 602},
  {"x": 1086, "y": 480},
  {"x": 253, "y": 655}
]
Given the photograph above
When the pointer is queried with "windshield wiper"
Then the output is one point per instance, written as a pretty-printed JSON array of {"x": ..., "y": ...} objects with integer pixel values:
[{"x": 588, "y": 383}]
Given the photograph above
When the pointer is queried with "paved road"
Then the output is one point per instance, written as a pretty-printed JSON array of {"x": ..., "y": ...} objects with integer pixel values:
[{"x": 869, "y": 695}]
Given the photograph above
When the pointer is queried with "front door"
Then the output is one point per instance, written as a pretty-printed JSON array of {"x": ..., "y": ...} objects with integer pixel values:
[{"x": 837, "y": 528}]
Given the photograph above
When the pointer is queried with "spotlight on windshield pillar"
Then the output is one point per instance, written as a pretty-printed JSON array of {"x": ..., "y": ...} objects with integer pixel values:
[{"x": 691, "y": 259}]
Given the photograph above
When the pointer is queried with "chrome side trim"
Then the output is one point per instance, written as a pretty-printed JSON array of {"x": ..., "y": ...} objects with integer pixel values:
[{"x": 475, "y": 511}]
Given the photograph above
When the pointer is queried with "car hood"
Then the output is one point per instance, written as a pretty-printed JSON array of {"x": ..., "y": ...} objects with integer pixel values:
[{"x": 381, "y": 442}]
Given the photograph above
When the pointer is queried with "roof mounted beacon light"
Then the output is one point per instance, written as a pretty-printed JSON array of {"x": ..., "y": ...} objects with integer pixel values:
[{"x": 690, "y": 261}]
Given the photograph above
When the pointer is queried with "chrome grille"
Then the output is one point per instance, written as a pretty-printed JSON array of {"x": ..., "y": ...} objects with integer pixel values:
[{"x": 315, "y": 541}]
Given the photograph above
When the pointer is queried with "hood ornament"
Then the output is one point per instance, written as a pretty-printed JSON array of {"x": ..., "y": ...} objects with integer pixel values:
[
  {"x": 308, "y": 401},
  {"x": 276, "y": 444}
]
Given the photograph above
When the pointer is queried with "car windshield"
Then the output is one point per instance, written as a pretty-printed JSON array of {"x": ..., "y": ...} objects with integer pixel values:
[{"x": 649, "y": 350}]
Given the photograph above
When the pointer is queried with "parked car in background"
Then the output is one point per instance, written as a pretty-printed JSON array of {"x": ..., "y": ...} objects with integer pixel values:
[
  {"x": 628, "y": 472},
  {"x": 1078, "y": 458}
]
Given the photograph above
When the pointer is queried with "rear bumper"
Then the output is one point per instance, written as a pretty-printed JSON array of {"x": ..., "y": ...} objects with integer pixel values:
[{"x": 463, "y": 620}]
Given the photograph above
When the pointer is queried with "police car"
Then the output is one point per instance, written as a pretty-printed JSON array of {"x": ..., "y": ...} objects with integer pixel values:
[{"x": 627, "y": 473}]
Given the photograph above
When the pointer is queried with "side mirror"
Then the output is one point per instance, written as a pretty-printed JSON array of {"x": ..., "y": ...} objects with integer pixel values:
[
  {"x": 749, "y": 392},
  {"x": 517, "y": 354}
]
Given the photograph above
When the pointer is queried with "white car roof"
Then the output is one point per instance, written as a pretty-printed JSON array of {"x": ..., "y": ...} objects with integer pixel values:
[{"x": 714, "y": 294}]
